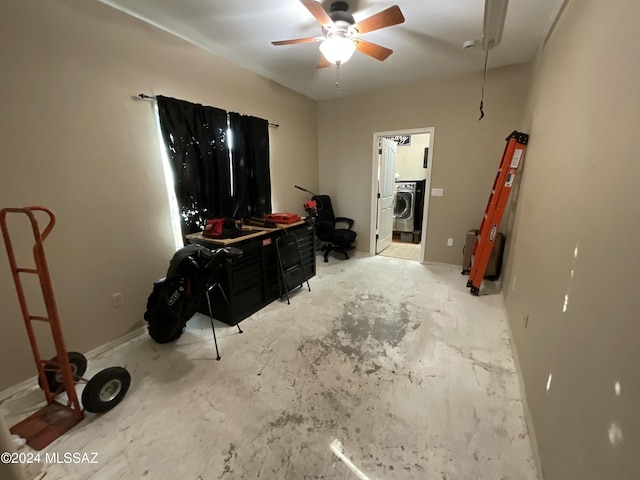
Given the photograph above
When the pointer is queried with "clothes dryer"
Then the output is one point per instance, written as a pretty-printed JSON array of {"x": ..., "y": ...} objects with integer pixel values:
[{"x": 404, "y": 207}]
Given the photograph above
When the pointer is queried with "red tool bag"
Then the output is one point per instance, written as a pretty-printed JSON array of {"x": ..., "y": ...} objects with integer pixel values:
[
  {"x": 221, "y": 228},
  {"x": 213, "y": 228}
]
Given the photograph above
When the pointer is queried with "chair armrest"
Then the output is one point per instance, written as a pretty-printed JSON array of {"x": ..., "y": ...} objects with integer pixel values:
[{"x": 346, "y": 220}]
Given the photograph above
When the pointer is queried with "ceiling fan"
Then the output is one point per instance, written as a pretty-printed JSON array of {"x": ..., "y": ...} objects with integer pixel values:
[{"x": 340, "y": 32}]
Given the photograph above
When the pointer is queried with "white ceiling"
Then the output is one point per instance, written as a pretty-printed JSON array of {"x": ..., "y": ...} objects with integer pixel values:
[{"x": 427, "y": 45}]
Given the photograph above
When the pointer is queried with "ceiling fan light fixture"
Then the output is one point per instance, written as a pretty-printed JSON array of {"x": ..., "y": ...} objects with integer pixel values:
[
  {"x": 337, "y": 49},
  {"x": 495, "y": 14}
]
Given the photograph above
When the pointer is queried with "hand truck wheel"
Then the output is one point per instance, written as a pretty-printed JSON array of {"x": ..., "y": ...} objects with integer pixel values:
[
  {"x": 105, "y": 389},
  {"x": 54, "y": 375}
]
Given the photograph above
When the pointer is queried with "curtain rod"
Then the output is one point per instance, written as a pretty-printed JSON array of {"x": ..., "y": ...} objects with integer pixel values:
[{"x": 150, "y": 97}]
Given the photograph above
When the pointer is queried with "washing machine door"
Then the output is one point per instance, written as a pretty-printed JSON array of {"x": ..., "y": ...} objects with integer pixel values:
[{"x": 402, "y": 208}]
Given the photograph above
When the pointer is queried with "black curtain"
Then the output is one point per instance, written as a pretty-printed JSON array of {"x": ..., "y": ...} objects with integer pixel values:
[
  {"x": 195, "y": 137},
  {"x": 250, "y": 160}
]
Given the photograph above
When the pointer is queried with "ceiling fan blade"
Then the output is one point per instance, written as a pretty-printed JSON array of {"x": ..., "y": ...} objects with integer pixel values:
[
  {"x": 318, "y": 12},
  {"x": 323, "y": 62},
  {"x": 385, "y": 18},
  {"x": 297, "y": 40},
  {"x": 376, "y": 51}
]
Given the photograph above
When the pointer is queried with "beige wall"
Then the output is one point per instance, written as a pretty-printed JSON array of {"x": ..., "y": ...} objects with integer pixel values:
[
  {"x": 576, "y": 237},
  {"x": 465, "y": 157},
  {"x": 75, "y": 140},
  {"x": 409, "y": 158}
]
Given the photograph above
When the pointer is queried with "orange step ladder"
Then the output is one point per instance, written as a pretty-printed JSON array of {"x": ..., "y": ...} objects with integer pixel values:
[{"x": 511, "y": 159}]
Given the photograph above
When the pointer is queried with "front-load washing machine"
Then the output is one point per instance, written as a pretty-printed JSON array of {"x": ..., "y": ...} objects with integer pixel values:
[{"x": 404, "y": 207}]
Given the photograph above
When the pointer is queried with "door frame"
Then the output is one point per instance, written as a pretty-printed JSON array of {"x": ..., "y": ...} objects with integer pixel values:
[{"x": 374, "y": 184}]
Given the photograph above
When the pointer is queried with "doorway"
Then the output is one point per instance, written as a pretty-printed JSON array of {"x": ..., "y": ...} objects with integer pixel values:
[{"x": 412, "y": 181}]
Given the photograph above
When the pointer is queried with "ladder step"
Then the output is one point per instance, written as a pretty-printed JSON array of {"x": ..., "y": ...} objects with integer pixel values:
[
  {"x": 41, "y": 319},
  {"x": 27, "y": 270}
]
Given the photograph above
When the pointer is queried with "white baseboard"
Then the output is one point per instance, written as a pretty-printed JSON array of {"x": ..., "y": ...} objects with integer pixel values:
[
  {"x": 523, "y": 395},
  {"x": 30, "y": 382},
  {"x": 117, "y": 342}
]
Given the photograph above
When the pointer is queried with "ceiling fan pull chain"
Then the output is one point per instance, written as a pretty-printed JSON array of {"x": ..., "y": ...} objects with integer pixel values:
[
  {"x": 484, "y": 79},
  {"x": 338, "y": 75}
]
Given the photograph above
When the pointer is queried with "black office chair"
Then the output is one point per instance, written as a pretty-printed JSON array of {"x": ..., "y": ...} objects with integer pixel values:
[{"x": 335, "y": 239}]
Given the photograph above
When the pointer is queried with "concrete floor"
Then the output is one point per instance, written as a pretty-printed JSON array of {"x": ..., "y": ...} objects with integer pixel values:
[{"x": 387, "y": 369}]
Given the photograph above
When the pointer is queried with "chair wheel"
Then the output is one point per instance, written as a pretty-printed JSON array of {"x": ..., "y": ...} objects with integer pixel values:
[
  {"x": 106, "y": 389},
  {"x": 54, "y": 375}
]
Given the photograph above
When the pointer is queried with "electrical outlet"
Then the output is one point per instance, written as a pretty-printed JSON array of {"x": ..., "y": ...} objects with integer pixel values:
[
  {"x": 117, "y": 299},
  {"x": 450, "y": 242}
]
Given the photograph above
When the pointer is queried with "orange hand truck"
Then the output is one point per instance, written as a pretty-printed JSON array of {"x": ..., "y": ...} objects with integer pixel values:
[
  {"x": 60, "y": 374},
  {"x": 511, "y": 159}
]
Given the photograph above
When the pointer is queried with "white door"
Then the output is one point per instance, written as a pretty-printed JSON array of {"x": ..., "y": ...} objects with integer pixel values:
[{"x": 386, "y": 193}]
